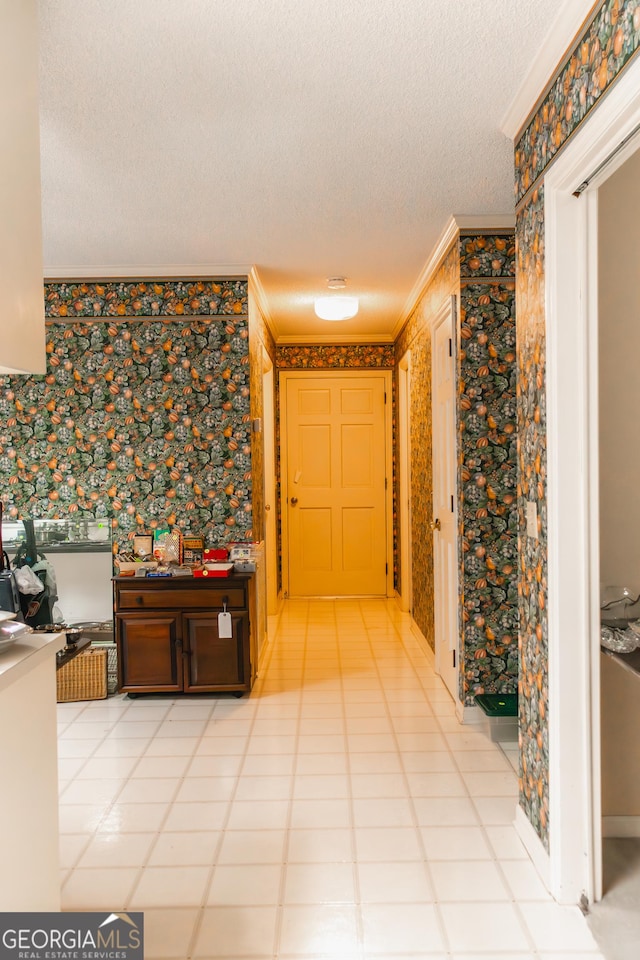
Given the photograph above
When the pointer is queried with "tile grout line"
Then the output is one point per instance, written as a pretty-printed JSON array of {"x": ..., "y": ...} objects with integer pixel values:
[
  {"x": 425, "y": 860},
  {"x": 96, "y": 831},
  {"x": 284, "y": 870},
  {"x": 197, "y": 927},
  {"x": 352, "y": 822}
]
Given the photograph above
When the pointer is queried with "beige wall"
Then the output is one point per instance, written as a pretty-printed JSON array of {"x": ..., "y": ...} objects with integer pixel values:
[
  {"x": 619, "y": 322},
  {"x": 620, "y": 717}
]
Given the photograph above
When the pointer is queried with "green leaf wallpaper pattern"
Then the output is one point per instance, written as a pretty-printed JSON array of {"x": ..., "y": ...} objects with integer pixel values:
[
  {"x": 320, "y": 356},
  {"x": 487, "y": 256},
  {"x": 145, "y": 298},
  {"x": 533, "y": 682},
  {"x": 487, "y": 513},
  {"x": 143, "y": 421},
  {"x": 610, "y": 40}
]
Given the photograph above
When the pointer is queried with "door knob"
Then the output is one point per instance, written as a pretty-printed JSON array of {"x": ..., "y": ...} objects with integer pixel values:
[
  {"x": 294, "y": 500},
  {"x": 267, "y": 506},
  {"x": 436, "y": 525}
]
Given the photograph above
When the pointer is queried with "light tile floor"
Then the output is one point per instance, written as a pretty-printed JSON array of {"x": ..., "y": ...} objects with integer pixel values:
[{"x": 339, "y": 812}]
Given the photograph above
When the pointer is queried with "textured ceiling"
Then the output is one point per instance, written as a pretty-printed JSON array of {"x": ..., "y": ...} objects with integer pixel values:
[{"x": 310, "y": 138}]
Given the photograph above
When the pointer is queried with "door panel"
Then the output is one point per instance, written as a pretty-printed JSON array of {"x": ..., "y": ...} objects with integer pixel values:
[
  {"x": 149, "y": 654},
  {"x": 357, "y": 455},
  {"x": 356, "y": 401},
  {"x": 336, "y": 504},
  {"x": 358, "y": 538},
  {"x": 211, "y": 661},
  {"x": 315, "y": 539},
  {"x": 314, "y": 401},
  {"x": 315, "y": 456}
]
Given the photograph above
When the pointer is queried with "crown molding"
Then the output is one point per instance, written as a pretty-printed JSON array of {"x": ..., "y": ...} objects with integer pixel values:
[
  {"x": 257, "y": 291},
  {"x": 144, "y": 271},
  {"x": 442, "y": 247},
  {"x": 565, "y": 28},
  {"x": 344, "y": 340},
  {"x": 496, "y": 223},
  {"x": 457, "y": 224}
]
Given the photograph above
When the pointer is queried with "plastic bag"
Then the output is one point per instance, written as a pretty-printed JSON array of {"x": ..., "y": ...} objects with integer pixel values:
[
  {"x": 28, "y": 583},
  {"x": 46, "y": 572},
  {"x": 620, "y": 641}
]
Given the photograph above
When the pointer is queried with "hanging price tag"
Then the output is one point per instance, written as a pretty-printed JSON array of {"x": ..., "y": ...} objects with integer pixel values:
[{"x": 225, "y": 626}]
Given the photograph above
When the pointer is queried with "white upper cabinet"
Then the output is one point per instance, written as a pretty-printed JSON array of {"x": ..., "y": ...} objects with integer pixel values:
[{"x": 22, "y": 330}]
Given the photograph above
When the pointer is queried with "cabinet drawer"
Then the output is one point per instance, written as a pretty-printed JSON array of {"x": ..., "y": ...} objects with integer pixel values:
[{"x": 181, "y": 598}]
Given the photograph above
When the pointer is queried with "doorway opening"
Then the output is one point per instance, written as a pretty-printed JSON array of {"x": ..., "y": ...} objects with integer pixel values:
[
  {"x": 571, "y": 195},
  {"x": 619, "y": 527}
]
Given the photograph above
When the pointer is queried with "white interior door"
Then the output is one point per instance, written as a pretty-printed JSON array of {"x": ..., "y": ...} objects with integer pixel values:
[
  {"x": 404, "y": 472},
  {"x": 270, "y": 536},
  {"x": 445, "y": 562},
  {"x": 335, "y": 496}
]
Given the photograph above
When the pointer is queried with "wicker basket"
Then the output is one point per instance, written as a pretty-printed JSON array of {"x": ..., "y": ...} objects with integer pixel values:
[{"x": 84, "y": 677}]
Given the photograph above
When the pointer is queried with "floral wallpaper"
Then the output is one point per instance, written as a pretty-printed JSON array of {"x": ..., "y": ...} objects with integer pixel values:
[
  {"x": 260, "y": 342},
  {"x": 416, "y": 336},
  {"x": 486, "y": 484},
  {"x": 609, "y": 41},
  {"x": 533, "y": 680},
  {"x": 487, "y": 256},
  {"x": 143, "y": 421},
  {"x": 319, "y": 356},
  {"x": 487, "y": 508},
  {"x": 145, "y": 298}
]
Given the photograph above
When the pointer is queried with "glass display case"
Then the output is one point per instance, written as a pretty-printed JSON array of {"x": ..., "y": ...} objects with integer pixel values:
[
  {"x": 79, "y": 552},
  {"x": 60, "y": 536}
]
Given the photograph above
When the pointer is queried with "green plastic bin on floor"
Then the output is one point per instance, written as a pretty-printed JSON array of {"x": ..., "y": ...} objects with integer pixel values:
[{"x": 498, "y": 704}]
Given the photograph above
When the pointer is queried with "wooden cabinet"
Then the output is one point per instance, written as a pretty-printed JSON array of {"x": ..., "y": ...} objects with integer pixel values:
[{"x": 169, "y": 640}]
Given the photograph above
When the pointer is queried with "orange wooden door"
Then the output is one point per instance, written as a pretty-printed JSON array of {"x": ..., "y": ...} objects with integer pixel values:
[{"x": 335, "y": 485}]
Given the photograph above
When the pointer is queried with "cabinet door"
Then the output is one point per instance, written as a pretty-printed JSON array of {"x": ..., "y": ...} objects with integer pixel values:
[
  {"x": 149, "y": 652},
  {"x": 212, "y": 662}
]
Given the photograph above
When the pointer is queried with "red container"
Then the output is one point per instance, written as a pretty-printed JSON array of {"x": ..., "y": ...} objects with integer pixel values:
[{"x": 213, "y": 556}]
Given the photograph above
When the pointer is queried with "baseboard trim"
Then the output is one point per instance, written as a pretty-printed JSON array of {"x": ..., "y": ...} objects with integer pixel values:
[
  {"x": 422, "y": 640},
  {"x": 621, "y": 826},
  {"x": 534, "y": 846},
  {"x": 469, "y": 713}
]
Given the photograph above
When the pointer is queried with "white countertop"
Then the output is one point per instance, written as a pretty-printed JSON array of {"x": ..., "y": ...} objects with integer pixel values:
[{"x": 25, "y": 654}]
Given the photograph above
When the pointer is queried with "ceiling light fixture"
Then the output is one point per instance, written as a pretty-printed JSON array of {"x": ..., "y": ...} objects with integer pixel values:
[{"x": 336, "y": 307}]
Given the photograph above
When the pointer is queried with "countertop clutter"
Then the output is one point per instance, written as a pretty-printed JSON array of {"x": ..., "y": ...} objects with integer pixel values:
[{"x": 169, "y": 553}]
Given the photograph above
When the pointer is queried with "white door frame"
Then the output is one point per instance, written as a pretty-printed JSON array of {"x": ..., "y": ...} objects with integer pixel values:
[
  {"x": 404, "y": 477},
  {"x": 331, "y": 374},
  {"x": 575, "y": 865},
  {"x": 270, "y": 503}
]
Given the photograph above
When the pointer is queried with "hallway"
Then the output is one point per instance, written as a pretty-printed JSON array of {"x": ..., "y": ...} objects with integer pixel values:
[{"x": 340, "y": 811}]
